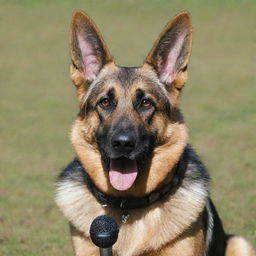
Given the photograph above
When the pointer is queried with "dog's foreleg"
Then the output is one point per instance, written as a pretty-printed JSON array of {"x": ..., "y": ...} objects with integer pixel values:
[{"x": 82, "y": 245}]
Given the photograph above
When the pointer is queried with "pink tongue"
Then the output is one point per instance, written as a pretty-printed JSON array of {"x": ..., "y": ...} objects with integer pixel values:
[{"x": 122, "y": 173}]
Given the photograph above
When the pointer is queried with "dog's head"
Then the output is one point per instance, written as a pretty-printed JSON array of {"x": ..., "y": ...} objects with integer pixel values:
[{"x": 129, "y": 133}]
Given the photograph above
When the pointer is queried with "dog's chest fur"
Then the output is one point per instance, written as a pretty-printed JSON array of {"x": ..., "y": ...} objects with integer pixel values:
[{"x": 149, "y": 229}]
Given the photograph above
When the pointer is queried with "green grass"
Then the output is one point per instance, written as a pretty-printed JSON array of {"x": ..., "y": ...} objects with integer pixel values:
[{"x": 38, "y": 105}]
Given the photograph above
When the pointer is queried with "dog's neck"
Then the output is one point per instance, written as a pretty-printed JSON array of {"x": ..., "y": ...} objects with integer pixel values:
[{"x": 129, "y": 203}]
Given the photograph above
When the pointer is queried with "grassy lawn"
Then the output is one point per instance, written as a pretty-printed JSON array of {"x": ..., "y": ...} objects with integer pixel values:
[{"x": 37, "y": 106}]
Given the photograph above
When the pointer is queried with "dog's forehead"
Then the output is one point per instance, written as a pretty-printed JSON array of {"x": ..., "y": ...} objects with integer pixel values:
[
  {"x": 129, "y": 78},
  {"x": 126, "y": 76}
]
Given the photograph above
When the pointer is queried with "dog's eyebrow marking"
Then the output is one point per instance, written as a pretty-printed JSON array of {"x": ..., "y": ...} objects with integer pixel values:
[
  {"x": 111, "y": 93},
  {"x": 139, "y": 93},
  {"x": 155, "y": 89}
]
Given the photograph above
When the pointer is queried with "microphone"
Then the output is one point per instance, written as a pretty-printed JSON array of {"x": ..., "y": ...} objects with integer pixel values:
[{"x": 104, "y": 232}]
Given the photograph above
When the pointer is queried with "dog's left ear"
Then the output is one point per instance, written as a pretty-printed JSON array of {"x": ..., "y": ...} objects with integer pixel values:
[{"x": 170, "y": 53}]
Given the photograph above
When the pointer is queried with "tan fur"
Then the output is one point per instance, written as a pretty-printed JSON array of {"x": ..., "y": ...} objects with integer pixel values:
[
  {"x": 238, "y": 246},
  {"x": 82, "y": 245}
]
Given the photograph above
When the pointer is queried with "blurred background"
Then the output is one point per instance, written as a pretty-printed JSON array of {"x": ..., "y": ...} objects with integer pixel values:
[{"x": 38, "y": 105}]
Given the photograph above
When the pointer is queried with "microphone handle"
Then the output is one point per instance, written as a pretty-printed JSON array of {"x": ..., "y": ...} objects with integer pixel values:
[{"x": 106, "y": 251}]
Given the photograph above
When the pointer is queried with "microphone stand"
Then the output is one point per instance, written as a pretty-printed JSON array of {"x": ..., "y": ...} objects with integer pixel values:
[{"x": 106, "y": 251}]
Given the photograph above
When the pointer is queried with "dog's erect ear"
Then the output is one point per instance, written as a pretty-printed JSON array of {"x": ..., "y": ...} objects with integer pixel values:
[
  {"x": 170, "y": 53},
  {"x": 88, "y": 50}
]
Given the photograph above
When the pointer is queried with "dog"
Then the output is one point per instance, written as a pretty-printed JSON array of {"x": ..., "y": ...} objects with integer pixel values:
[{"x": 133, "y": 161}]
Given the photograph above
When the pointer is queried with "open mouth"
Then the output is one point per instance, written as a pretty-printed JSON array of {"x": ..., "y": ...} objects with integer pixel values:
[{"x": 122, "y": 173}]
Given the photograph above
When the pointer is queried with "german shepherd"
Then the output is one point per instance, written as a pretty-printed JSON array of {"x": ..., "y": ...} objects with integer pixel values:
[{"x": 133, "y": 160}]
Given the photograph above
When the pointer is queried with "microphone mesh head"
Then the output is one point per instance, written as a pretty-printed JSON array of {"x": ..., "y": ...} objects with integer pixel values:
[{"x": 104, "y": 231}]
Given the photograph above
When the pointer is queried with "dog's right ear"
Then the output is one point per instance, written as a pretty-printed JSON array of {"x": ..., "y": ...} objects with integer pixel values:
[
  {"x": 87, "y": 49},
  {"x": 170, "y": 53}
]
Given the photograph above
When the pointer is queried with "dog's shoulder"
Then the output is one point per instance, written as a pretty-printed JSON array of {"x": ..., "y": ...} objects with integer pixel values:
[
  {"x": 215, "y": 237},
  {"x": 192, "y": 168},
  {"x": 73, "y": 171}
]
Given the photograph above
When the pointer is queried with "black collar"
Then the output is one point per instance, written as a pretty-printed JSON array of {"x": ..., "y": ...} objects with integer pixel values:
[{"x": 128, "y": 203}]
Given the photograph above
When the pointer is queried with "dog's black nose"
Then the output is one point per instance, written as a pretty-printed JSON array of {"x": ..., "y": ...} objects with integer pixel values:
[{"x": 124, "y": 143}]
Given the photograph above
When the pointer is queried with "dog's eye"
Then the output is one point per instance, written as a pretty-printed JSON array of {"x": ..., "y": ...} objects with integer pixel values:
[
  {"x": 146, "y": 103},
  {"x": 105, "y": 103}
]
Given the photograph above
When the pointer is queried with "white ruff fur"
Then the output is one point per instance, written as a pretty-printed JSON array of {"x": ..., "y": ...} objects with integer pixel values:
[{"x": 180, "y": 210}]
